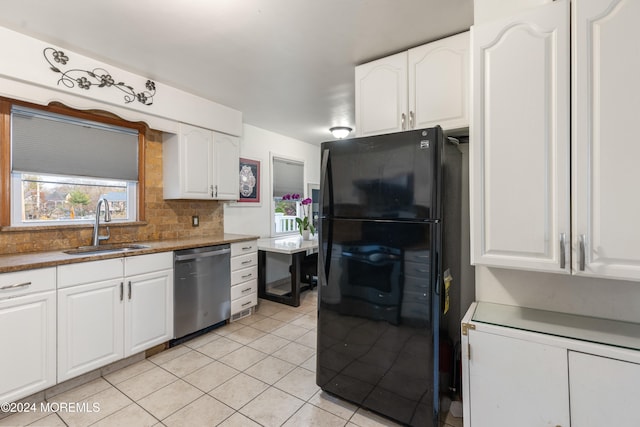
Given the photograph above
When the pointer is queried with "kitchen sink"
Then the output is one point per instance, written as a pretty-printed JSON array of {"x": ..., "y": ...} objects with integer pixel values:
[{"x": 101, "y": 249}]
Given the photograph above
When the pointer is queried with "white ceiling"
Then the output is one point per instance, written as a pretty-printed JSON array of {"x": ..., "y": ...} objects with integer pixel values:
[{"x": 286, "y": 64}]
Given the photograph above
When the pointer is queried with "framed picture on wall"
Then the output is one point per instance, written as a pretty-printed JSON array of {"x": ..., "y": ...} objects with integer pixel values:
[{"x": 249, "y": 191}]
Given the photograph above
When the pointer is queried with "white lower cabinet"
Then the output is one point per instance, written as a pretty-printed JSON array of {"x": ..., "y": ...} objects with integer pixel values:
[
  {"x": 28, "y": 330},
  {"x": 90, "y": 316},
  {"x": 516, "y": 382},
  {"x": 244, "y": 278},
  {"x": 111, "y": 309},
  {"x": 604, "y": 391},
  {"x": 529, "y": 367},
  {"x": 148, "y": 314}
]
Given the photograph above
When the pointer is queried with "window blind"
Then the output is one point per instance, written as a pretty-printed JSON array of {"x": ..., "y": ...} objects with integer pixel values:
[
  {"x": 288, "y": 177},
  {"x": 43, "y": 142}
]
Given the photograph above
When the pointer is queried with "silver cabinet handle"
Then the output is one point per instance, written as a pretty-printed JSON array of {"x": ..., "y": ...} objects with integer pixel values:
[
  {"x": 246, "y": 303},
  {"x": 246, "y": 290},
  {"x": 247, "y": 275},
  {"x": 246, "y": 262},
  {"x": 582, "y": 251},
  {"x": 563, "y": 244},
  {"x": 17, "y": 285},
  {"x": 121, "y": 291},
  {"x": 411, "y": 122},
  {"x": 247, "y": 248},
  {"x": 129, "y": 295},
  {"x": 404, "y": 124}
]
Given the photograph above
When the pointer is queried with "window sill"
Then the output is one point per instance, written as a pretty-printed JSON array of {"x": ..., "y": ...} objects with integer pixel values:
[{"x": 51, "y": 227}]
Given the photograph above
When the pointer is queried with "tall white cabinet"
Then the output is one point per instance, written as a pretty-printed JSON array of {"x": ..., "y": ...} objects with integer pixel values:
[
  {"x": 422, "y": 87},
  {"x": 520, "y": 140},
  {"x": 605, "y": 107},
  {"x": 552, "y": 149},
  {"x": 200, "y": 164}
]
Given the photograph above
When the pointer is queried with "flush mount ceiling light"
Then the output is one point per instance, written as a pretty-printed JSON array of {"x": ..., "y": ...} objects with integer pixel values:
[{"x": 340, "y": 131}]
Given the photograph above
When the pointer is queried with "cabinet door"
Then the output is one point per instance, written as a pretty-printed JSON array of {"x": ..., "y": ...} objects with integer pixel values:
[
  {"x": 196, "y": 147},
  {"x": 148, "y": 313},
  {"x": 226, "y": 155},
  {"x": 28, "y": 355},
  {"x": 604, "y": 392},
  {"x": 520, "y": 153},
  {"x": 516, "y": 382},
  {"x": 90, "y": 327},
  {"x": 606, "y": 106},
  {"x": 439, "y": 83},
  {"x": 381, "y": 96}
]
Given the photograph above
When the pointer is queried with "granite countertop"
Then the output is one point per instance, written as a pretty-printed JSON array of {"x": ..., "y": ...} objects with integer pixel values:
[{"x": 26, "y": 261}]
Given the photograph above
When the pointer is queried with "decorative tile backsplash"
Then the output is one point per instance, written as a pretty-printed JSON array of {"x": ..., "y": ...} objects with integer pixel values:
[{"x": 165, "y": 219}]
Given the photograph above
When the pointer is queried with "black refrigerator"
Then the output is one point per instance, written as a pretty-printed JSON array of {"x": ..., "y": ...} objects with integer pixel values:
[{"x": 379, "y": 272}]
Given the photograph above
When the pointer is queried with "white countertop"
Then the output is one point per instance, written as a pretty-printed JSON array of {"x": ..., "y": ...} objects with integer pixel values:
[{"x": 287, "y": 244}]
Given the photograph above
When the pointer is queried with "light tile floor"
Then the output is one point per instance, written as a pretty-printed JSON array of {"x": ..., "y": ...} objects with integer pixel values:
[{"x": 259, "y": 371}]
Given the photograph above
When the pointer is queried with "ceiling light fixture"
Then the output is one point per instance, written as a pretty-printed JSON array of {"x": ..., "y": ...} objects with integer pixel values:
[{"x": 340, "y": 131}]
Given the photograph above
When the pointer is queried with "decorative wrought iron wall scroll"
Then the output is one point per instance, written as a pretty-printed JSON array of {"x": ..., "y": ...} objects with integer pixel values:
[{"x": 98, "y": 77}]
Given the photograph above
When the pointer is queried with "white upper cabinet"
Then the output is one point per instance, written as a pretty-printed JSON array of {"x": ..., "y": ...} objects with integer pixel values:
[
  {"x": 520, "y": 140},
  {"x": 422, "y": 87},
  {"x": 201, "y": 164},
  {"x": 226, "y": 163},
  {"x": 381, "y": 95},
  {"x": 541, "y": 194},
  {"x": 606, "y": 108},
  {"x": 439, "y": 83}
]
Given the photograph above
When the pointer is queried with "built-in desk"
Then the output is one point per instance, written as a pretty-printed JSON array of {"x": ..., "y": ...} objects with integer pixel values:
[{"x": 280, "y": 261}]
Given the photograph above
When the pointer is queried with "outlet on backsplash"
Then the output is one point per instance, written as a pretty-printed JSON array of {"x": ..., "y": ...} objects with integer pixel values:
[{"x": 195, "y": 221}]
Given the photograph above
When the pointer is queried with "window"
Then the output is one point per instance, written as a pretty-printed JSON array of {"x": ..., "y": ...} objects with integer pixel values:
[
  {"x": 58, "y": 198},
  {"x": 62, "y": 165},
  {"x": 288, "y": 181}
]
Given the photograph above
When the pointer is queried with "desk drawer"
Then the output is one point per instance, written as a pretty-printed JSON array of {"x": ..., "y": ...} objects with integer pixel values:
[
  {"x": 244, "y": 303},
  {"x": 243, "y": 275},
  {"x": 244, "y": 289},
  {"x": 244, "y": 261}
]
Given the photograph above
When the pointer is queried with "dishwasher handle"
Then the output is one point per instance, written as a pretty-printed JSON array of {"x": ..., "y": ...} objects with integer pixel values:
[{"x": 203, "y": 254}]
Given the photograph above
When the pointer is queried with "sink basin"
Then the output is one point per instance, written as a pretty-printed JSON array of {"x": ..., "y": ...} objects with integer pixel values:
[{"x": 101, "y": 249}]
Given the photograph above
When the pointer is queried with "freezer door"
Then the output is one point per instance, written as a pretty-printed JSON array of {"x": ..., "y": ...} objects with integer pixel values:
[{"x": 393, "y": 176}]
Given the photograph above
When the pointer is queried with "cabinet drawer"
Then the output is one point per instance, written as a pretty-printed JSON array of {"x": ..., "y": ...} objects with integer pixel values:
[
  {"x": 26, "y": 282},
  {"x": 240, "y": 248},
  {"x": 243, "y": 275},
  {"x": 244, "y": 303},
  {"x": 142, "y": 264},
  {"x": 244, "y": 261},
  {"x": 244, "y": 289},
  {"x": 89, "y": 272}
]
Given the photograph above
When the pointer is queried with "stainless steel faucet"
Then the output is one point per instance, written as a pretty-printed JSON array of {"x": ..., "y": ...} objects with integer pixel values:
[{"x": 96, "y": 226}]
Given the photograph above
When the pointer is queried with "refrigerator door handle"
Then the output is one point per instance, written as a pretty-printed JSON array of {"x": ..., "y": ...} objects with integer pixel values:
[{"x": 323, "y": 267}]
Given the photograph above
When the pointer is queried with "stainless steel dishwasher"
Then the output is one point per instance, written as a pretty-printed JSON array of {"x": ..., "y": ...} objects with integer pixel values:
[{"x": 202, "y": 288}]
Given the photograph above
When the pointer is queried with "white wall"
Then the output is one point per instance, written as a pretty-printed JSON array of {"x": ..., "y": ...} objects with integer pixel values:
[
  {"x": 489, "y": 10},
  {"x": 259, "y": 144}
]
